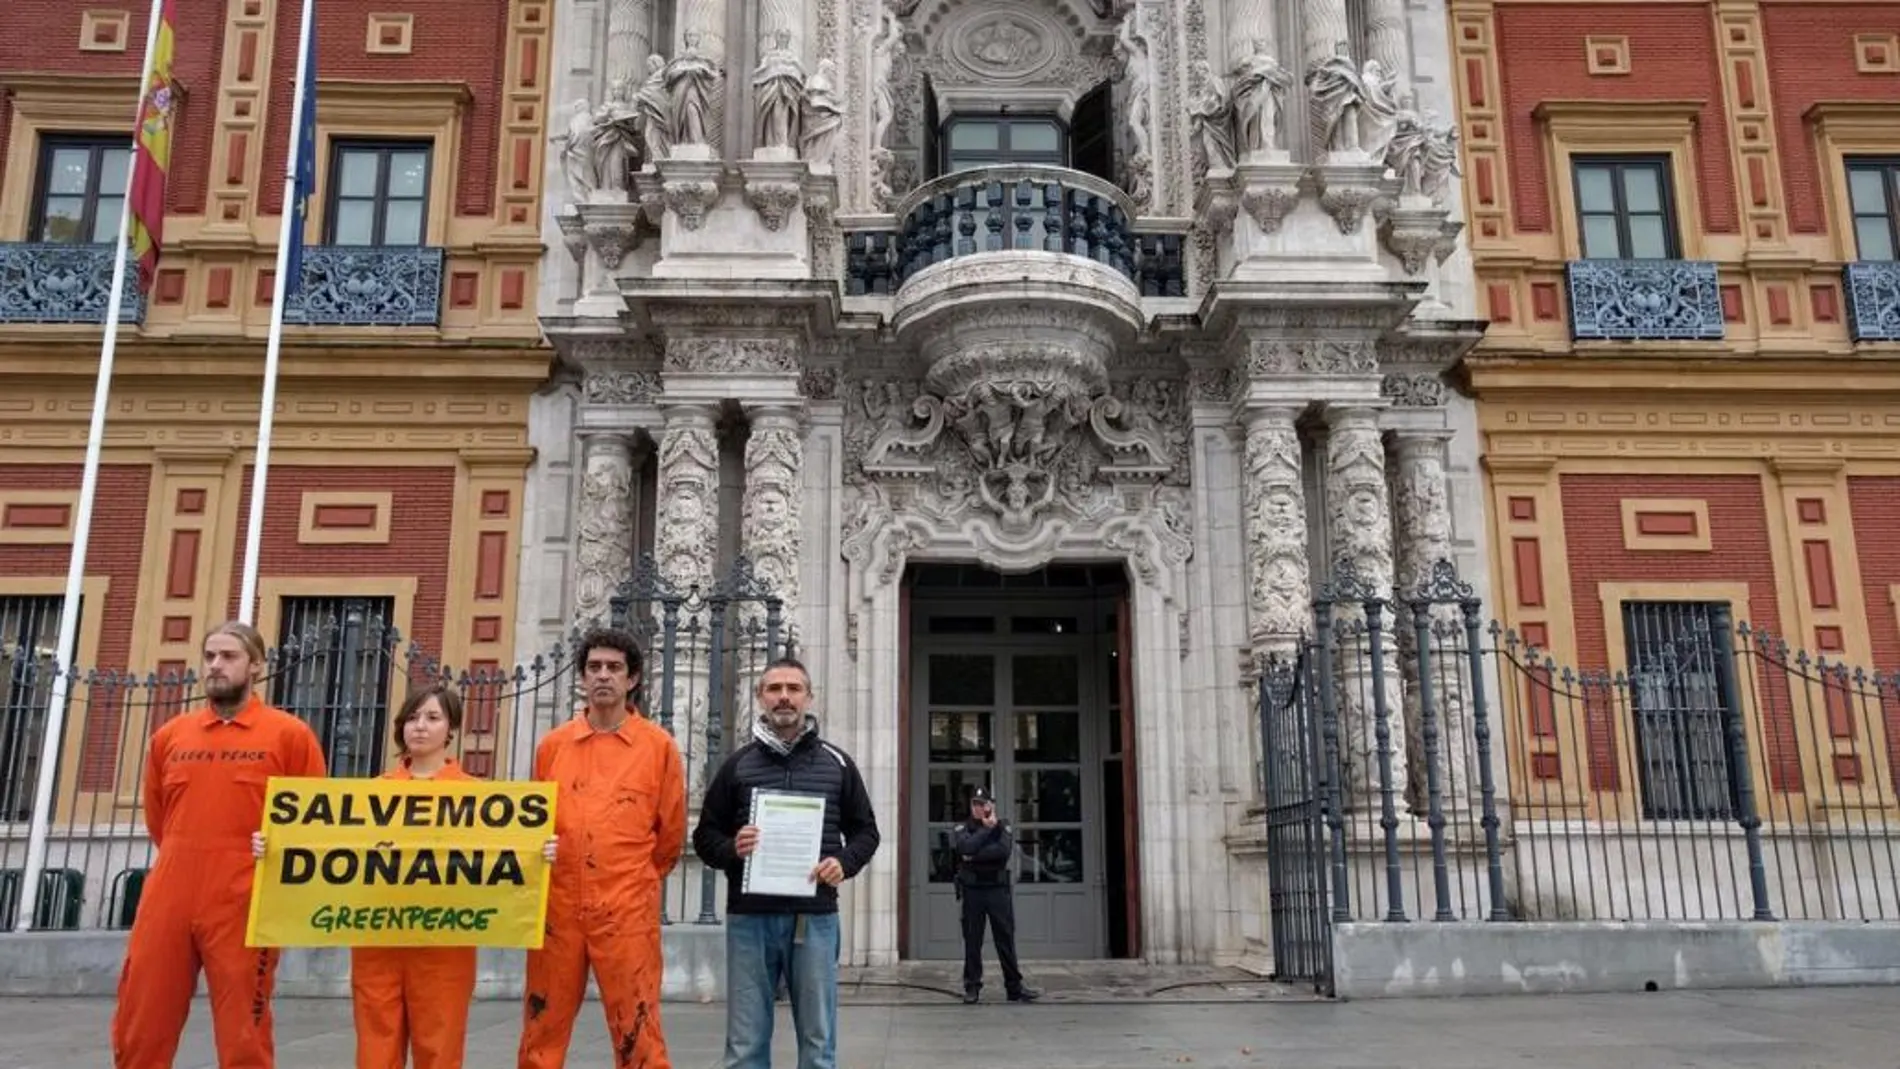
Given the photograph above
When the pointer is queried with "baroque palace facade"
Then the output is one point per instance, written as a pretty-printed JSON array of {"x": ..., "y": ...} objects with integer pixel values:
[
  {"x": 400, "y": 450},
  {"x": 1684, "y": 219},
  {"x": 1042, "y": 356}
]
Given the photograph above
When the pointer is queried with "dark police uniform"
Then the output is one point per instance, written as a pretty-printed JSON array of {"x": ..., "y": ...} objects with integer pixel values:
[{"x": 983, "y": 864}]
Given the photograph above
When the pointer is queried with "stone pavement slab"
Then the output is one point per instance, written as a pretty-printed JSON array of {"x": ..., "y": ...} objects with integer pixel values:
[{"x": 1831, "y": 1028}]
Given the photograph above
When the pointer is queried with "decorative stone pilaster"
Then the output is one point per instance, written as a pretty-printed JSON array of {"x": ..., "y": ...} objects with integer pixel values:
[
  {"x": 1423, "y": 497},
  {"x": 603, "y": 553},
  {"x": 1278, "y": 596},
  {"x": 1359, "y": 525},
  {"x": 770, "y": 521}
]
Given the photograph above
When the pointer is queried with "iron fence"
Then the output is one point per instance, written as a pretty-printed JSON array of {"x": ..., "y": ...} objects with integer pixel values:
[
  {"x": 1420, "y": 763},
  {"x": 346, "y": 672}
]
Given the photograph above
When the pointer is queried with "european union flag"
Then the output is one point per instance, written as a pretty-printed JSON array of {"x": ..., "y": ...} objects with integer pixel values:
[{"x": 305, "y": 160}]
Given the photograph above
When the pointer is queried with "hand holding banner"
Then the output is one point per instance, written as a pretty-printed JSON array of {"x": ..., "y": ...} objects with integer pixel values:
[{"x": 388, "y": 862}]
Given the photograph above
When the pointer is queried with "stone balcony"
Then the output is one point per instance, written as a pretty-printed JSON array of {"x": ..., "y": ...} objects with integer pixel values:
[
  {"x": 1873, "y": 300},
  {"x": 1644, "y": 300},
  {"x": 60, "y": 282},
  {"x": 369, "y": 286}
]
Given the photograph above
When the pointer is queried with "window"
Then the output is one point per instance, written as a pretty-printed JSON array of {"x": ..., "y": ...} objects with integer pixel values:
[
  {"x": 29, "y": 629},
  {"x": 1873, "y": 187},
  {"x": 81, "y": 189},
  {"x": 379, "y": 193},
  {"x": 989, "y": 141},
  {"x": 1623, "y": 208},
  {"x": 334, "y": 673},
  {"x": 1679, "y": 705}
]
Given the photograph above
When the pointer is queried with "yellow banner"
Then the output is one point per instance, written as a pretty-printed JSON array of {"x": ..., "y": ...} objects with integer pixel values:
[{"x": 389, "y": 863}]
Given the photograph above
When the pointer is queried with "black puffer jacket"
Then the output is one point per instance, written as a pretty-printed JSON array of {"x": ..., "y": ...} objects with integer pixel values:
[{"x": 814, "y": 766}]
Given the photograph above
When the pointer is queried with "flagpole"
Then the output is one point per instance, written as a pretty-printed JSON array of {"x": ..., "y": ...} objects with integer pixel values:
[
  {"x": 82, "y": 524},
  {"x": 260, "y": 468}
]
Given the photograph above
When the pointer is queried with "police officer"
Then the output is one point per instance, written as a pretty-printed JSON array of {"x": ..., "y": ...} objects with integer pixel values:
[{"x": 984, "y": 844}]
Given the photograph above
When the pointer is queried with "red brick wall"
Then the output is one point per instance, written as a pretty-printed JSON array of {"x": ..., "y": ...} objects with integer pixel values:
[
  {"x": 42, "y": 36},
  {"x": 422, "y": 515},
  {"x": 453, "y": 40},
  {"x": 1810, "y": 47},
  {"x": 1672, "y": 57},
  {"x": 1593, "y": 530},
  {"x": 114, "y": 549},
  {"x": 1876, "y": 505}
]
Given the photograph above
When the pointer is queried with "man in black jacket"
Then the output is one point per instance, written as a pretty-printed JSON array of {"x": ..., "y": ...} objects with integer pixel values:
[
  {"x": 794, "y": 938},
  {"x": 984, "y": 844}
]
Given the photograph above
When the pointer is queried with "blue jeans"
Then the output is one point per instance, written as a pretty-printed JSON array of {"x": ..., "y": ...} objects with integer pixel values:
[{"x": 760, "y": 949}]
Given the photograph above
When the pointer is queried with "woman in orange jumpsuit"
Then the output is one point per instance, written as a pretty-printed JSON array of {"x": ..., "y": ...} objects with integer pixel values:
[{"x": 415, "y": 999}]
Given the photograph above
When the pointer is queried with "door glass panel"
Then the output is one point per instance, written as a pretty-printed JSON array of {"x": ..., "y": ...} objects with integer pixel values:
[
  {"x": 961, "y": 738},
  {"x": 1049, "y": 855},
  {"x": 1049, "y": 795},
  {"x": 1045, "y": 679},
  {"x": 1047, "y": 737},
  {"x": 950, "y": 789},
  {"x": 962, "y": 679}
]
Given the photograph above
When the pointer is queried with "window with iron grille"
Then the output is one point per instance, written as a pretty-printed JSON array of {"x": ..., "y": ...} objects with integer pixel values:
[
  {"x": 333, "y": 671},
  {"x": 29, "y": 631},
  {"x": 1679, "y": 705}
]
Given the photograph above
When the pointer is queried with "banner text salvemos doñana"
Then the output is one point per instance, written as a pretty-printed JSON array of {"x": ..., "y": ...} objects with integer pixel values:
[{"x": 383, "y": 862}]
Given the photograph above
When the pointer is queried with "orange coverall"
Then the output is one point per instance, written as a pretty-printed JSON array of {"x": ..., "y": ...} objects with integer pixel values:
[
  {"x": 620, "y": 813},
  {"x": 204, "y": 796},
  {"x": 412, "y": 996}
]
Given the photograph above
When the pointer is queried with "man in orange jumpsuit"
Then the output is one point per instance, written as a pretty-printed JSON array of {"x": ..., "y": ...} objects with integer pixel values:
[
  {"x": 204, "y": 796},
  {"x": 620, "y": 826}
]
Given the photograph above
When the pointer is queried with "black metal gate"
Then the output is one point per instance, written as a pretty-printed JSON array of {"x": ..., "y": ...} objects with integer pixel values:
[
  {"x": 706, "y": 647},
  {"x": 1299, "y": 908}
]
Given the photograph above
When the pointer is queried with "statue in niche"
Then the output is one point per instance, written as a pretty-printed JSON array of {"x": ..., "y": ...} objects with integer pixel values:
[
  {"x": 653, "y": 111},
  {"x": 1212, "y": 114},
  {"x": 578, "y": 151},
  {"x": 778, "y": 89},
  {"x": 691, "y": 78},
  {"x": 1137, "y": 66},
  {"x": 823, "y": 113},
  {"x": 1352, "y": 106},
  {"x": 1259, "y": 90}
]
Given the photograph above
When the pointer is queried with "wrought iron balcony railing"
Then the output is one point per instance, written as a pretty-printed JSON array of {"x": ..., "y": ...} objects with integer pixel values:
[
  {"x": 369, "y": 286},
  {"x": 62, "y": 282},
  {"x": 1644, "y": 300},
  {"x": 1873, "y": 300},
  {"x": 998, "y": 209}
]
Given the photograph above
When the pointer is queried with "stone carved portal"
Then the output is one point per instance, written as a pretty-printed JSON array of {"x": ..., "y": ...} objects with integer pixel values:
[{"x": 1022, "y": 451}]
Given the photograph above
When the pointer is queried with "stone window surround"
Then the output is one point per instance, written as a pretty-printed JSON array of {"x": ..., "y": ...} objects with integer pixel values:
[
  {"x": 1842, "y": 129},
  {"x": 1663, "y": 128}
]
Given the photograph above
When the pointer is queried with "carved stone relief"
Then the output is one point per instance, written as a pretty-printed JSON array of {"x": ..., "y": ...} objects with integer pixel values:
[
  {"x": 603, "y": 552},
  {"x": 1275, "y": 527},
  {"x": 687, "y": 531},
  {"x": 770, "y": 524},
  {"x": 620, "y": 387},
  {"x": 727, "y": 355}
]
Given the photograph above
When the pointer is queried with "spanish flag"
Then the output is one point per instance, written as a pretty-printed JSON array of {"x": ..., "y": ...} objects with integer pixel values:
[{"x": 152, "y": 151}]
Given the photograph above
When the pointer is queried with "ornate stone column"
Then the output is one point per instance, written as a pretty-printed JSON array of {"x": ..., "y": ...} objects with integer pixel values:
[
  {"x": 629, "y": 40},
  {"x": 1386, "y": 41},
  {"x": 1422, "y": 494},
  {"x": 603, "y": 552},
  {"x": 685, "y": 548},
  {"x": 1359, "y": 524},
  {"x": 1278, "y": 589},
  {"x": 1326, "y": 29},
  {"x": 770, "y": 518}
]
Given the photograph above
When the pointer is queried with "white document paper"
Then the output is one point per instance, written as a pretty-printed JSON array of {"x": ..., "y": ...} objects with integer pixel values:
[{"x": 791, "y": 830}]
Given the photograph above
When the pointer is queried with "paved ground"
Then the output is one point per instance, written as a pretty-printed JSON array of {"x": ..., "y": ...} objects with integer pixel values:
[{"x": 1812, "y": 1029}]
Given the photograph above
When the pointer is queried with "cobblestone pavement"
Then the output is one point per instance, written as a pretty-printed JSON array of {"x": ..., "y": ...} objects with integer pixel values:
[{"x": 1831, "y": 1028}]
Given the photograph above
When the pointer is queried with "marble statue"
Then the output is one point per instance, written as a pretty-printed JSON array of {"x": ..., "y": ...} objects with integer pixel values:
[
  {"x": 653, "y": 112},
  {"x": 692, "y": 78},
  {"x": 823, "y": 115},
  {"x": 1352, "y": 106},
  {"x": 615, "y": 138},
  {"x": 1259, "y": 90},
  {"x": 1212, "y": 114},
  {"x": 577, "y": 147},
  {"x": 778, "y": 89},
  {"x": 1138, "y": 70}
]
